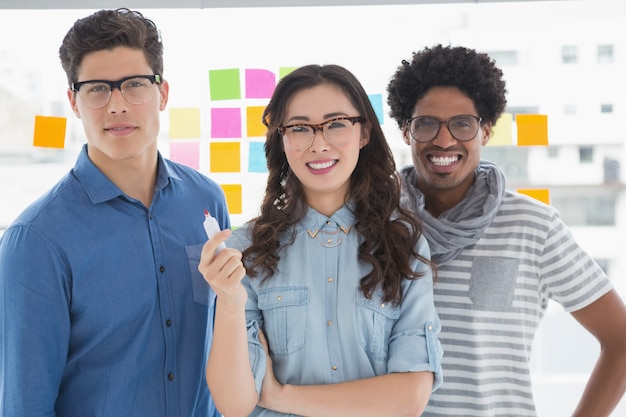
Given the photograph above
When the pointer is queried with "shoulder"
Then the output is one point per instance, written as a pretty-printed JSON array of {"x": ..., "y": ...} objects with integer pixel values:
[
  {"x": 190, "y": 176},
  {"x": 241, "y": 237}
]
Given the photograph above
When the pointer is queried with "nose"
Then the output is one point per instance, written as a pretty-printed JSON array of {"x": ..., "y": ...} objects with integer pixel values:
[
  {"x": 319, "y": 145},
  {"x": 444, "y": 138},
  {"x": 117, "y": 103}
]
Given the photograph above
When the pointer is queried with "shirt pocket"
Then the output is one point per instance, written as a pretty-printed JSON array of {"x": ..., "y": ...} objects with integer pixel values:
[
  {"x": 284, "y": 313},
  {"x": 492, "y": 284},
  {"x": 202, "y": 291},
  {"x": 375, "y": 321}
]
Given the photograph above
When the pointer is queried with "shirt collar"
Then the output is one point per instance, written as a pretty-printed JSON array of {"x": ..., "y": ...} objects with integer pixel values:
[
  {"x": 99, "y": 188},
  {"x": 342, "y": 219}
]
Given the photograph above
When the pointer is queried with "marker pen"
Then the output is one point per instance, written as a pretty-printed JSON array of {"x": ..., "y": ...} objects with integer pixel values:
[{"x": 211, "y": 228}]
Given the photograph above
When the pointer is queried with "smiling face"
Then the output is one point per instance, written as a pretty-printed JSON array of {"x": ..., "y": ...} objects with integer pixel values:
[
  {"x": 324, "y": 169},
  {"x": 120, "y": 132},
  {"x": 445, "y": 166}
]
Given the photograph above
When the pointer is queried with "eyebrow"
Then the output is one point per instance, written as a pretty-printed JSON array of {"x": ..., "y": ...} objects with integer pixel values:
[{"x": 328, "y": 116}]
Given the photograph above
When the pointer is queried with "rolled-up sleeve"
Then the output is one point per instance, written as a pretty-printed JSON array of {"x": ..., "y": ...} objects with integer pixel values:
[{"x": 414, "y": 344}]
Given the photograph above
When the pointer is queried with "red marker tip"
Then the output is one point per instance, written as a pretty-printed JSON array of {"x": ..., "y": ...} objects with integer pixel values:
[{"x": 206, "y": 212}]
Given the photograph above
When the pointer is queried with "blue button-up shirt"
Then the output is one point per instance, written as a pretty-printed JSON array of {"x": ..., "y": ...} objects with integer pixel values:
[
  {"x": 320, "y": 327},
  {"x": 103, "y": 312}
]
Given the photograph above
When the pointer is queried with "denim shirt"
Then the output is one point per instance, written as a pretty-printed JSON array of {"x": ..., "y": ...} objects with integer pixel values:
[
  {"x": 103, "y": 310},
  {"x": 320, "y": 327}
]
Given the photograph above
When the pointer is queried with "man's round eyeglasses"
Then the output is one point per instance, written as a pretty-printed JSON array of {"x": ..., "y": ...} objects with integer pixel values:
[
  {"x": 300, "y": 136},
  {"x": 136, "y": 89},
  {"x": 463, "y": 127}
]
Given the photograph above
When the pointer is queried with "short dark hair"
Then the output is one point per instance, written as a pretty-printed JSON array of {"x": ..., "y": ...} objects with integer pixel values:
[
  {"x": 474, "y": 73},
  {"x": 107, "y": 29}
]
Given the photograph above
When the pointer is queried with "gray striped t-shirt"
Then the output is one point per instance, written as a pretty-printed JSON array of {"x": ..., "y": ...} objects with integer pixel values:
[{"x": 491, "y": 298}]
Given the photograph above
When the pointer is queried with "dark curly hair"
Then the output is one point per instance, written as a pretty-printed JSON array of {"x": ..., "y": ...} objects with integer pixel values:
[
  {"x": 107, "y": 29},
  {"x": 475, "y": 74},
  {"x": 390, "y": 233}
]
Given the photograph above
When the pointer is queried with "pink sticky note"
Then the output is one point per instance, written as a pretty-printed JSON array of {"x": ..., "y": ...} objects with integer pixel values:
[
  {"x": 186, "y": 153},
  {"x": 225, "y": 123},
  {"x": 259, "y": 83}
]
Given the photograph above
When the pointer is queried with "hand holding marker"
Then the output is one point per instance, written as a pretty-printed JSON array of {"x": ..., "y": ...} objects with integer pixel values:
[{"x": 211, "y": 228}]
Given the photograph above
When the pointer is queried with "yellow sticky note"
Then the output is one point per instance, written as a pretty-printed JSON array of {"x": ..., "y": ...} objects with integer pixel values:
[
  {"x": 255, "y": 126},
  {"x": 184, "y": 123},
  {"x": 233, "y": 197},
  {"x": 541, "y": 194},
  {"x": 225, "y": 156},
  {"x": 502, "y": 131},
  {"x": 532, "y": 129},
  {"x": 49, "y": 132}
]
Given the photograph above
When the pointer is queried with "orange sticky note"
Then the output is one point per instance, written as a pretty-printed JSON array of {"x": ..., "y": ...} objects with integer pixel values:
[
  {"x": 532, "y": 129},
  {"x": 232, "y": 192},
  {"x": 255, "y": 125},
  {"x": 49, "y": 132},
  {"x": 541, "y": 194},
  {"x": 225, "y": 156},
  {"x": 502, "y": 131}
]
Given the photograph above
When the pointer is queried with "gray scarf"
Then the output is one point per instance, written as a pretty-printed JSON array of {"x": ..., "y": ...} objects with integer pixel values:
[{"x": 463, "y": 224}]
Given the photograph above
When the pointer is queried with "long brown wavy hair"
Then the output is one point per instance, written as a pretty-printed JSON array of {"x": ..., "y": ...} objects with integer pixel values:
[{"x": 390, "y": 233}]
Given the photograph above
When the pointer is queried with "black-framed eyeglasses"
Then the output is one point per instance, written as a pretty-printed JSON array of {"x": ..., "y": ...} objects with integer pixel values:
[
  {"x": 463, "y": 127},
  {"x": 339, "y": 130},
  {"x": 136, "y": 89}
]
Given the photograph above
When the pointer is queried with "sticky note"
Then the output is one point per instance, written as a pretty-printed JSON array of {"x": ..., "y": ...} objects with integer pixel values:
[
  {"x": 282, "y": 71},
  {"x": 49, "y": 132},
  {"x": 532, "y": 129},
  {"x": 225, "y": 123},
  {"x": 255, "y": 126},
  {"x": 259, "y": 83},
  {"x": 225, "y": 156},
  {"x": 377, "y": 104},
  {"x": 225, "y": 84},
  {"x": 541, "y": 194},
  {"x": 186, "y": 153},
  {"x": 502, "y": 131},
  {"x": 256, "y": 157},
  {"x": 232, "y": 192},
  {"x": 184, "y": 123}
]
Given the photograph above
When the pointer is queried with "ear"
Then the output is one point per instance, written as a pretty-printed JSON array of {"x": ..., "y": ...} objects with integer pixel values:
[
  {"x": 487, "y": 130},
  {"x": 164, "y": 89},
  {"x": 365, "y": 135},
  {"x": 406, "y": 136},
  {"x": 71, "y": 95}
]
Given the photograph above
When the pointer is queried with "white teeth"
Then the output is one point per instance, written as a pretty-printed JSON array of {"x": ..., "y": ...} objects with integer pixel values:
[
  {"x": 321, "y": 165},
  {"x": 443, "y": 160}
]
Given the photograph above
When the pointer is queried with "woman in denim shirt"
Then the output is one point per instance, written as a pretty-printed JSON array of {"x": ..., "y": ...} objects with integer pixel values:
[{"x": 337, "y": 278}]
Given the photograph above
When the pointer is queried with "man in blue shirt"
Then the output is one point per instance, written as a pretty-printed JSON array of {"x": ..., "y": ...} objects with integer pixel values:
[{"x": 103, "y": 310}]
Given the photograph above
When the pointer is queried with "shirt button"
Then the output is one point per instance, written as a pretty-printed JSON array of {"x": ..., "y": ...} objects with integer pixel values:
[
  {"x": 329, "y": 241},
  {"x": 168, "y": 322},
  {"x": 162, "y": 268},
  {"x": 330, "y": 323},
  {"x": 330, "y": 279},
  {"x": 382, "y": 305},
  {"x": 430, "y": 327},
  {"x": 170, "y": 376},
  {"x": 279, "y": 298},
  {"x": 334, "y": 368},
  {"x": 327, "y": 221}
]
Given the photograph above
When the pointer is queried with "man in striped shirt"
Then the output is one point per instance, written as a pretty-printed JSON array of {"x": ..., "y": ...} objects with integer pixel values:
[{"x": 501, "y": 256}]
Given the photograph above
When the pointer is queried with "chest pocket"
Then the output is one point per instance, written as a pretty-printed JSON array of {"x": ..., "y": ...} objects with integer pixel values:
[
  {"x": 492, "y": 285},
  {"x": 202, "y": 291},
  {"x": 284, "y": 313},
  {"x": 375, "y": 320}
]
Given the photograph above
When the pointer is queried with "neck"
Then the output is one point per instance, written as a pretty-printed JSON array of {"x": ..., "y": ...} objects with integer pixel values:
[{"x": 136, "y": 177}]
